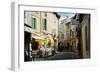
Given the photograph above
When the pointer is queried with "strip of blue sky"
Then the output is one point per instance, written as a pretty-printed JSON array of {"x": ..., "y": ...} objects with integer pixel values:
[{"x": 64, "y": 15}]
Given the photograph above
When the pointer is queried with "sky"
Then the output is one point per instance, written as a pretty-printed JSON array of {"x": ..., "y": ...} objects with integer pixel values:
[{"x": 64, "y": 15}]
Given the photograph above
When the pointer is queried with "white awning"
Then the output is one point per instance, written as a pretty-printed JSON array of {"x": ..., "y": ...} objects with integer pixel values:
[{"x": 28, "y": 29}]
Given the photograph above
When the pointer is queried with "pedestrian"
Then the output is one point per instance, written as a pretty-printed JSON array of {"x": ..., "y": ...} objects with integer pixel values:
[{"x": 39, "y": 53}]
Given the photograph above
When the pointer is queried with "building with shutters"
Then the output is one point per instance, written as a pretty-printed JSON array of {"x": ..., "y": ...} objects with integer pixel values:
[{"x": 38, "y": 28}]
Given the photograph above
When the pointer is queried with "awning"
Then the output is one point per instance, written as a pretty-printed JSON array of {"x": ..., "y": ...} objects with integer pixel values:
[
  {"x": 39, "y": 39},
  {"x": 28, "y": 29}
]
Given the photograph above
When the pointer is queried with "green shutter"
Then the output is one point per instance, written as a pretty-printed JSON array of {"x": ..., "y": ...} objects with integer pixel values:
[
  {"x": 34, "y": 23},
  {"x": 45, "y": 24}
]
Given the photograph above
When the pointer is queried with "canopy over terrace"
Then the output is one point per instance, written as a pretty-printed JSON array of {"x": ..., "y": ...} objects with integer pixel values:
[{"x": 39, "y": 39}]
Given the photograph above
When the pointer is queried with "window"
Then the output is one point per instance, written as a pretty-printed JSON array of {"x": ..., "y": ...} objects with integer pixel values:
[
  {"x": 34, "y": 23},
  {"x": 45, "y": 13},
  {"x": 45, "y": 24}
]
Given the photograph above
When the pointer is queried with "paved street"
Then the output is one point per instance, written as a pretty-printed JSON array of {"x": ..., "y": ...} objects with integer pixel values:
[
  {"x": 64, "y": 55},
  {"x": 60, "y": 56}
]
